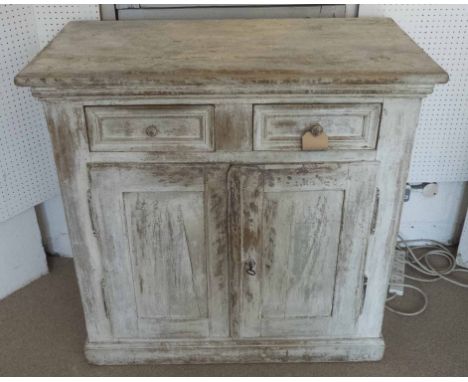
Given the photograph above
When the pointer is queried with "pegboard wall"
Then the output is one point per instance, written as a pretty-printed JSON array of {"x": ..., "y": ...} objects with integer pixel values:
[
  {"x": 50, "y": 19},
  {"x": 27, "y": 170},
  {"x": 440, "y": 153}
]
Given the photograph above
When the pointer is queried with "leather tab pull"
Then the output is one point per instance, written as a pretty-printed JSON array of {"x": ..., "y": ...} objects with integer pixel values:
[{"x": 315, "y": 139}]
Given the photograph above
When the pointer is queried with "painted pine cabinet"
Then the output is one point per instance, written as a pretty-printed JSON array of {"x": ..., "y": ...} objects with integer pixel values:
[{"x": 227, "y": 203}]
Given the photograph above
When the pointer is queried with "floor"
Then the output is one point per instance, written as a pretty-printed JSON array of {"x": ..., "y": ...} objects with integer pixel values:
[{"x": 42, "y": 334}]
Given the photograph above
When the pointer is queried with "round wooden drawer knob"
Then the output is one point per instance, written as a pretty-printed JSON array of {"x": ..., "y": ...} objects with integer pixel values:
[{"x": 151, "y": 131}]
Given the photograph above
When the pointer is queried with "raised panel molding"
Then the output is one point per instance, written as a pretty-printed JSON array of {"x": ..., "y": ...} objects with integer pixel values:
[
  {"x": 160, "y": 229},
  {"x": 303, "y": 229},
  {"x": 300, "y": 244},
  {"x": 167, "y": 252},
  {"x": 348, "y": 126},
  {"x": 151, "y": 127}
]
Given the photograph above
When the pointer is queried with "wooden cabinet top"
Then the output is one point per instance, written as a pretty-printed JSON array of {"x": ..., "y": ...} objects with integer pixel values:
[{"x": 231, "y": 53}]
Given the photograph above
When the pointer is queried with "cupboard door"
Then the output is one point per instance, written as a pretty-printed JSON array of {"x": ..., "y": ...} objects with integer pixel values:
[
  {"x": 298, "y": 243},
  {"x": 162, "y": 235}
]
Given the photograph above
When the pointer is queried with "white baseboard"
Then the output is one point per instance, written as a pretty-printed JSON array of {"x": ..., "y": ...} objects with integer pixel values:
[
  {"x": 52, "y": 223},
  {"x": 22, "y": 257},
  {"x": 437, "y": 218}
]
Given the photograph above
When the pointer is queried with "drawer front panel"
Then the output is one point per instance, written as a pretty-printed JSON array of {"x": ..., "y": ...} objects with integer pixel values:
[
  {"x": 348, "y": 126},
  {"x": 151, "y": 128}
]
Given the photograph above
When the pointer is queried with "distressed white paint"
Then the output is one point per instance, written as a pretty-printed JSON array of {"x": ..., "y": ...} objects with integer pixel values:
[
  {"x": 348, "y": 126},
  {"x": 307, "y": 252},
  {"x": 49, "y": 19},
  {"x": 112, "y": 197},
  {"x": 151, "y": 128},
  {"x": 110, "y": 308},
  {"x": 22, "y": 257},
  {"x": 438, "y": 153},
  {"x": 156, "y": 226}
]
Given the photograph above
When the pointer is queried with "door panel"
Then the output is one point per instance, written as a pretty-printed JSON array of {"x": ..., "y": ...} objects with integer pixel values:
[
  {"x": 300, "y": 238},
  {"x": 166, "y": 243},
  {"x": 298, "y": 242},
  {"x": 161, "y": 230}
]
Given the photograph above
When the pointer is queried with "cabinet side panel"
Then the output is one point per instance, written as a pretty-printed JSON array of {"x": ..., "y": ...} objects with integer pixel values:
[
  {"x": 68, "y": 133},
  {"x": 399, "y": 121}
]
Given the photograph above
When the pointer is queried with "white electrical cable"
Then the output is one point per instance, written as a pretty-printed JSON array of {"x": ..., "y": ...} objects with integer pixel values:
[
  {"x": 401, "y": 313},
  {"x": 422, "y": 265}
]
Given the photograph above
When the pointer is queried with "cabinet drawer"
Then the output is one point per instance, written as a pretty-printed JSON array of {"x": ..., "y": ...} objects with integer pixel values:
[
  {"x": 348, "y": 126},
  {"x": 150, "y": 128}
]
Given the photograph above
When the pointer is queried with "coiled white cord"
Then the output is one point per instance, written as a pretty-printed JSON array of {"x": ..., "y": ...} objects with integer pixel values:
[{"x": 423, "y": 265}]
